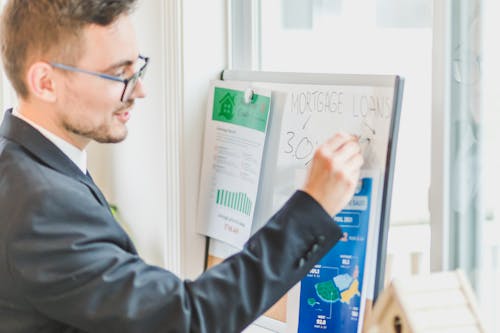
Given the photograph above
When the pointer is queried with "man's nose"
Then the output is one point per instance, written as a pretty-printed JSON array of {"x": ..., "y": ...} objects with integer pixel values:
[{"x": 139, "y": 90}]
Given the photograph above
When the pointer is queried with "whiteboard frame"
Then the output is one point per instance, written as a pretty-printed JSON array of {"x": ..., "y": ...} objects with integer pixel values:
[{"x": 395, "y": 81}]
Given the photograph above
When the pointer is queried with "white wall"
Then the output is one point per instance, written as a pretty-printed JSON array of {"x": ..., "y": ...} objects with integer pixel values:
[{"x": 205, "y": 56}]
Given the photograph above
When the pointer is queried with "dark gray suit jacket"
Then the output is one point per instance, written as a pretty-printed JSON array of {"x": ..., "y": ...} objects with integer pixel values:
[{"x": 67, "y": 266}]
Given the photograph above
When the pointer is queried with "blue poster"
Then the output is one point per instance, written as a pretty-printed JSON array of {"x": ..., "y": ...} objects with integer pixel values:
[{"x": 330, "y": 295}]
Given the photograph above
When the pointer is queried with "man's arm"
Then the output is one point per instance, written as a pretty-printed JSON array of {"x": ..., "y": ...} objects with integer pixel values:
[
  {"x": 67, "y": 264},
  {"x": 66, "y": 258}
]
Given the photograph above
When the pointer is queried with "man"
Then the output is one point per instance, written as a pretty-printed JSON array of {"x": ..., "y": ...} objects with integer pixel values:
[{"x": 65, "y": 265}]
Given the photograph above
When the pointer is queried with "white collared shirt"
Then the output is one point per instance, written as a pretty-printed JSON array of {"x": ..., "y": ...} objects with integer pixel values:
[{"x": 79, "y": 157}]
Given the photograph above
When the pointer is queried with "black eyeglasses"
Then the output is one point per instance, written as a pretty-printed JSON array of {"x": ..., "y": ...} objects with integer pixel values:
[{"x": 129, "y": 83}]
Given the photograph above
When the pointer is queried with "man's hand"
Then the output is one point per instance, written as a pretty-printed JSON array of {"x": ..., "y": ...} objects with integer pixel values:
[{"x": 334, "y": 173}]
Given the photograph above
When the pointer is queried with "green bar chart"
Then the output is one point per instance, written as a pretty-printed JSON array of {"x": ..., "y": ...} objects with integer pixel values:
[{"x": 238, "y": 201}]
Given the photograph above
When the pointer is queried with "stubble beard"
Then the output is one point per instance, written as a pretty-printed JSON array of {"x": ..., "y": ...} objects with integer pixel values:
[{"x": 103, "y": 133}]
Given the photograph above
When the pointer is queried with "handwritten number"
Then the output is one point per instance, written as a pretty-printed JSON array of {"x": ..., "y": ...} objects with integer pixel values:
[
  {"x": 300, "y": 151},
  {"x": 304, "y": 148}
]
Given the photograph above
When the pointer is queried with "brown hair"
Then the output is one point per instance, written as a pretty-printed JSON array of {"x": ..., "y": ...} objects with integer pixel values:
[{"x": 32, "y": 29}]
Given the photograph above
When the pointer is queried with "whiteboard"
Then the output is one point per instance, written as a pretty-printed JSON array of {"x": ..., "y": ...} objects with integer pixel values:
[{"x": 306, "y": 109}]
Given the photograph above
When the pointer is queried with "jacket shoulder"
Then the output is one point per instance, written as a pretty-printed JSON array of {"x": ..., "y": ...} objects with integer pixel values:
[{"x": 22, "y": 171}]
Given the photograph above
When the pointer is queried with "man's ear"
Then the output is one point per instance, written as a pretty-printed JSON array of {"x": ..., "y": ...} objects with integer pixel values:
[{"x": 40, "y": 80}]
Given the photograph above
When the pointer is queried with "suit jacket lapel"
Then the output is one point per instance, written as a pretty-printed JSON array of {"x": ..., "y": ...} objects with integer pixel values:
[
  {"x": 45, "y": 151},
  {"x": 95, "y": 189}
]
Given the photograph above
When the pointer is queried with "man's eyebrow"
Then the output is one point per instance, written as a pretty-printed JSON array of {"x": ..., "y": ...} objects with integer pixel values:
[{"x": 123, "y": 63}]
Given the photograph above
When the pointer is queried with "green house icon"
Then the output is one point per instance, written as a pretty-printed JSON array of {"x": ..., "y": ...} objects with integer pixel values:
[{"x": 226, "y": 104}]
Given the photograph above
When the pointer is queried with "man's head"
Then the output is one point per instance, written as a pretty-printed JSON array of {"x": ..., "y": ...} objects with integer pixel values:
[{"x": 37, "y": 37}]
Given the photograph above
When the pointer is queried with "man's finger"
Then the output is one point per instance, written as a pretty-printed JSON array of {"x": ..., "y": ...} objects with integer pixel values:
[
  {"x": 337, "y": 141},
  {"x": 354, "y": 164},
  {"x": 347, "y": 151}
]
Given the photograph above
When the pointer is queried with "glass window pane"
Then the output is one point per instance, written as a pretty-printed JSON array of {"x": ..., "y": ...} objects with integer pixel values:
[
  {"x": 489, "y": 243},
  {"x": 370, "y": 37}
]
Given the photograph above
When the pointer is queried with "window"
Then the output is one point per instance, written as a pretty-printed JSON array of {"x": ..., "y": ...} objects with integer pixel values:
[
  {"x": 479, "y": 254},
  {"x": 489, "y": 243},
  {"x": 335, "y": 36},
  {"x": 396, "y": 37}
]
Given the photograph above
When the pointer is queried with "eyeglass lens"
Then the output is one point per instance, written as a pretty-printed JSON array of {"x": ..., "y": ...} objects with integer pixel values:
[{"x": 130, "y": 86}]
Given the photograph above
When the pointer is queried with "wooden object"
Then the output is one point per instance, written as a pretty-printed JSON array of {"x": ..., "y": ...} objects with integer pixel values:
[{"x": 436, "y": 303}]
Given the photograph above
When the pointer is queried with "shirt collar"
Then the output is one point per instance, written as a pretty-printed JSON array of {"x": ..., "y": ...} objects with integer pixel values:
[{"x": 79, "y": 157}]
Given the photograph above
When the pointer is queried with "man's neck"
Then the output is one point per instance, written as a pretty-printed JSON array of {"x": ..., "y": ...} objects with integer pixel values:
[
  {"x": 77, "y": 156},
  {"x": 43, "y": 118}
]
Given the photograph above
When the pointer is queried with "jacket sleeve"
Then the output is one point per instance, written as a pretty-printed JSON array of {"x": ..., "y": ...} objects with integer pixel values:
[{"x": 67, "y": 262}]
